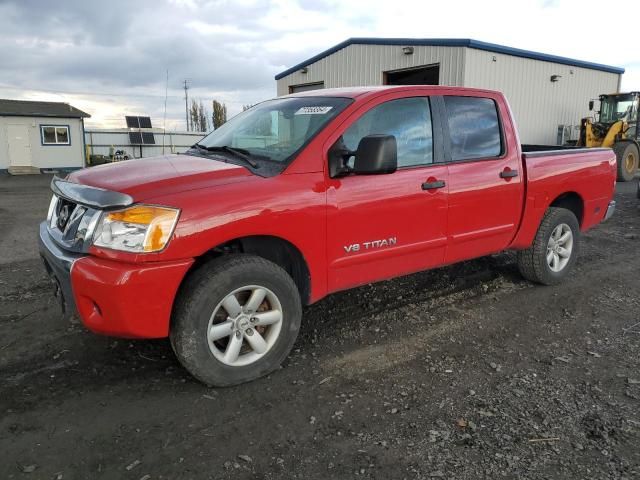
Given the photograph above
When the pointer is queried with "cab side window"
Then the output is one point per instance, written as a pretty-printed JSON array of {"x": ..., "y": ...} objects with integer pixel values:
[
  {"x": 474, "y": 128},
  {"x": 407, "y": 119}
]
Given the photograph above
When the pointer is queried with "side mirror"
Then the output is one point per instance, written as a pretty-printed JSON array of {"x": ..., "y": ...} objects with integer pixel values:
[
  {"x": 376, "y": 154},
  {"x": 591, "y": 105}
]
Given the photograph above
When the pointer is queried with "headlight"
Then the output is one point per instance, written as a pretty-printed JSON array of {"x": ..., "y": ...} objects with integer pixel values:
[{"x": 142, "y": 228}]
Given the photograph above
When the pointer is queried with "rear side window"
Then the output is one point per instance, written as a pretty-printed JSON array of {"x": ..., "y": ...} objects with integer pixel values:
[
  {"x": 474, "y": 128},
  {"x": 407, "y": 119}
]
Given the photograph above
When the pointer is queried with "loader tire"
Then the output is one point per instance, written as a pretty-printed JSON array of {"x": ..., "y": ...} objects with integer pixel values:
[{"x": 627, "y": 160}]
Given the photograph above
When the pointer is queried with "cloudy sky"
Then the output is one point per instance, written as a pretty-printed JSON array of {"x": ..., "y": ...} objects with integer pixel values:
[{"x": 110, "y": 58}]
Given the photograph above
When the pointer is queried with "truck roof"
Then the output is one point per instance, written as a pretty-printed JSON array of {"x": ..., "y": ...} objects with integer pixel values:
[{"x": 354, "y": 92}]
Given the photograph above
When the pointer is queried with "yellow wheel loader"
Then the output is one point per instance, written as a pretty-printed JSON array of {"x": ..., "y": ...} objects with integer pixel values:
[{"x": 617, "y": 128}]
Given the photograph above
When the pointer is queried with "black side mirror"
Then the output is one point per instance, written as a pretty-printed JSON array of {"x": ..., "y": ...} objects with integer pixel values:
[
  {"x": 376, "y": 154},
  {"x": 591, "y": 105}
]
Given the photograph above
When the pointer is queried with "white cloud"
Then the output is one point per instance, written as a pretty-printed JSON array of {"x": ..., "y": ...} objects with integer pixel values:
[{"x": 111, "y": 58}]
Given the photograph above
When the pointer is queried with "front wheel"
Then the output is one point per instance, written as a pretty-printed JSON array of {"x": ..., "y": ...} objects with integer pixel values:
[
  {"x": 235, "y": 320},
  {"x": 554, "y": 250}
]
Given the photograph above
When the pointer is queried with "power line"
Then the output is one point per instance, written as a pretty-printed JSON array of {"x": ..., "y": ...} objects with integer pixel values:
[
  {"x": 91, "y": 94},
  {"x": 98, "y": 94}
]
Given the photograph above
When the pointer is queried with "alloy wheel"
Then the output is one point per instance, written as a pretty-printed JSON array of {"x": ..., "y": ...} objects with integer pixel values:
[
  {"x": 559, "y": 247},
  {"x": 245, "y": 325}
]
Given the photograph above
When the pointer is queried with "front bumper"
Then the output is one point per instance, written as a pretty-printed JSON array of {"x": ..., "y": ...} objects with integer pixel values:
[
  {"x": 610, "y": 210},
  {"x": 115, "y": 298},
  {"x": 58, "y": 264}
]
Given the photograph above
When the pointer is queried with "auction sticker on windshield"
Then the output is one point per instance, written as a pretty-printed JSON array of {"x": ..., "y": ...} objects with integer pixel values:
[{"x": 320, "y": 110}]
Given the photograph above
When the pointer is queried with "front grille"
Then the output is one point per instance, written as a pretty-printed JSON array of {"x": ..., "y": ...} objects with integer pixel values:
[
  {"x": 75, "y": 211},
  {"x": 64, "y": 211},
  {"x": 71, "y": 224}
]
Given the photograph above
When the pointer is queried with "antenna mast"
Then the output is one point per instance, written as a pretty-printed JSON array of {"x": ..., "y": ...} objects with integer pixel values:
[{"x": 186, "y": 102}]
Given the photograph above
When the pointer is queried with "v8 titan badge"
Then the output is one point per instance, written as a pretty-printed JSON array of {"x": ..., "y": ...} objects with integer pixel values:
[{"x": 356, "y": 247}]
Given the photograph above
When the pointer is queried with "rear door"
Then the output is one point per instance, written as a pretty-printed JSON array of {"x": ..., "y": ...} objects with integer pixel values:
[
  {"x": 382, "y": 226},
  {"x": 485, "y": 178}
]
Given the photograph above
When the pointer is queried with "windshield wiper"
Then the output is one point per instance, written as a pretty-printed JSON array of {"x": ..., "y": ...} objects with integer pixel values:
[{"x": 240, "y": 153}]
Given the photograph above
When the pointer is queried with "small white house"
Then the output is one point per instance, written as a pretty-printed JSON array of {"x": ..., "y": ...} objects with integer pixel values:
[{"x": 37, "y": 136}]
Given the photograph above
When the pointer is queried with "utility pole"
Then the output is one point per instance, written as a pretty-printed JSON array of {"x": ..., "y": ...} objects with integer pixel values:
[
  {"x": 186, "y": 102},
  {"x": 164, "y": 119}
]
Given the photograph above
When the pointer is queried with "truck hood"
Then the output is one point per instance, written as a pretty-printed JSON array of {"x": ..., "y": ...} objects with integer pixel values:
[{"x": 153, "y": 177}]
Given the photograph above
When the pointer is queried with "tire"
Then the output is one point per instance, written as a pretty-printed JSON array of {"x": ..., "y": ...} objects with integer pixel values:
[
  {"x": 533, "y": 263},
  {"x": 204, "y": 293},
  {"x": 627, "y": 160}
]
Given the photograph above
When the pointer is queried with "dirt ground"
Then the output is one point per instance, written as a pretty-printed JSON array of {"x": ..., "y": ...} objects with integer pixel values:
[{"x": 465, "y": 372}]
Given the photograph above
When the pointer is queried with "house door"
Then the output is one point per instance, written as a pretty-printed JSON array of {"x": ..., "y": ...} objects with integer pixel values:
[{"x": 19, "y": 146}]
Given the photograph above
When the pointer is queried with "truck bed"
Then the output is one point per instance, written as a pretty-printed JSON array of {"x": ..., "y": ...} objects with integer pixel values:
[
  {"x": 586, "y": 174},
  {"x": 532, "y": 150}
]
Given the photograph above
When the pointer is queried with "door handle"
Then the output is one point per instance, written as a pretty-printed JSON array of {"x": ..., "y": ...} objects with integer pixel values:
[
  {"x": 508, "y": 173},
  {"x": 433, "y": 185}
]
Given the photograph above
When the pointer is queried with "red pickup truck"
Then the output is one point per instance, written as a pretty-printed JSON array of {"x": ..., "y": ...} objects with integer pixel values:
[{"x": 304, "y": 195}]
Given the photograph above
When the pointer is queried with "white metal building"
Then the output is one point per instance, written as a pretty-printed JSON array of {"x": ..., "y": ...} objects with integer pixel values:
[
  {"x": 546, "y": 92},
  {"x": 36, "y": 136}
]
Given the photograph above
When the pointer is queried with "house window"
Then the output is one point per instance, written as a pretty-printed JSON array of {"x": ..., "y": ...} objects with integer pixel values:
[{"x": 55, "y": 135}]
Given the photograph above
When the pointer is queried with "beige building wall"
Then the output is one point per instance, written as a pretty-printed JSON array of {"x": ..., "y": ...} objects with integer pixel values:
[
  {"x": 358, "y": 65},
  {"x": 538, "y": 104}
]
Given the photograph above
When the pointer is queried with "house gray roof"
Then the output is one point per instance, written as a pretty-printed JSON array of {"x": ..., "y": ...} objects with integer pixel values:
[{"x": 22, "y": 108}]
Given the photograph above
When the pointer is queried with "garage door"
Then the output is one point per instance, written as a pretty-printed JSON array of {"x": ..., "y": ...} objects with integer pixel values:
[
  {"x": 426, "y": 75},
  {"x": 306, "y": 87},
  {"x": 19, "y": 146}
]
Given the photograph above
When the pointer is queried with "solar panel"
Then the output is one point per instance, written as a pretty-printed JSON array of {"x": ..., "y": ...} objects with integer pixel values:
[
  {"x": 138, "y": 122},
  {"x": 148, "y": 138},
  {"x": 135, "y": 138},
  {"x": 140, "y": 138},
  {"x": 145, "y": 122},
  {"x": 132, "y": 122}
]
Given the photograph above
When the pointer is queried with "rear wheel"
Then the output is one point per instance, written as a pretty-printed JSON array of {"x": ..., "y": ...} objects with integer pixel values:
[
  {"x": 627, "y": 159},
  {"x": 554, "y": 250},
  {"x": 236, "y": 319}
]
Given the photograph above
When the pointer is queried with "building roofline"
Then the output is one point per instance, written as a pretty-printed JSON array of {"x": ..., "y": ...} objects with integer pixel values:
[
  {"x": 453, "y": 42},
  {"x": 34, "y": 108},
  {"x": 44, "y": 115}
]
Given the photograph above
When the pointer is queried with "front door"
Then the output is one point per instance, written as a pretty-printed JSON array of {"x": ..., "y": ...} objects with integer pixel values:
[
  {"x": 382, "y": 226},
  {"x": 485, "y": 180},
  {"x": 19, "y": 146}
]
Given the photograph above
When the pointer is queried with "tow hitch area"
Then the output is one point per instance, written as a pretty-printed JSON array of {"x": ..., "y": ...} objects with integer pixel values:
[{"x": 57, "y": 289}]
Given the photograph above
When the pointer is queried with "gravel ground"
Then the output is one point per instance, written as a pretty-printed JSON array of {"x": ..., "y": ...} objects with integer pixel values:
[{"x": 464, "y": 372}]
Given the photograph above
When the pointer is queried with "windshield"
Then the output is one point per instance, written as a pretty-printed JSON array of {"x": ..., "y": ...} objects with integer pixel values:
[
  {"x": 276, "y": 130},
  {"x": 619, "y": 107}
]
